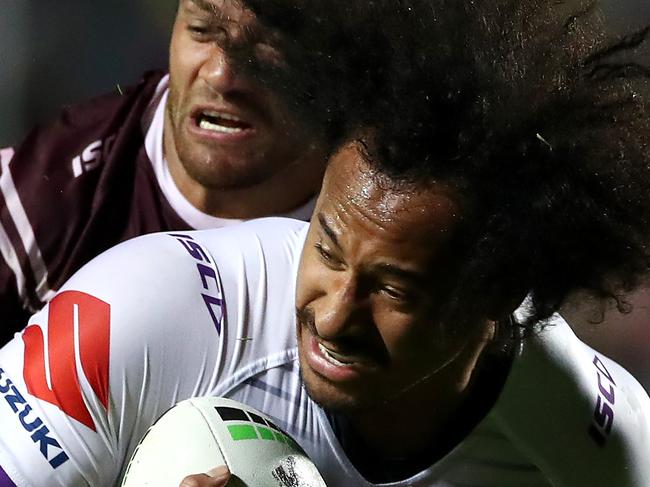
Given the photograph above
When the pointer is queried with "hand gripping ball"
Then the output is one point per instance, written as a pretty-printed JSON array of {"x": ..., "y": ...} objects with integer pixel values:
[{"x": 199, "y": 434}]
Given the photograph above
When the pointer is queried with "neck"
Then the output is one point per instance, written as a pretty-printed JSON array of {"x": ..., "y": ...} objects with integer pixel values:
[
  {"x": 281, "y": 194},
  {"x": 438, "y": 411},
  {"x": 420, "y": 425},
  {"x": 290, "y": 187}
]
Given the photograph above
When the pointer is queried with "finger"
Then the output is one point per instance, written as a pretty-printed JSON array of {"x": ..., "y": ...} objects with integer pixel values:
[
  {"x": 217, "y": 477},
  {"x": 220, "y": 473}
]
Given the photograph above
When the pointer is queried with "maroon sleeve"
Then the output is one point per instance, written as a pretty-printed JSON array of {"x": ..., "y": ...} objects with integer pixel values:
[
  {"x": 14, "y": 307},
  {"x": 65, "y": 196}
]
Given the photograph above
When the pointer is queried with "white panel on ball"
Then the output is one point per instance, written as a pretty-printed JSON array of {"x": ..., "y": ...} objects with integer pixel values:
[{"x": 199, "y": 434}]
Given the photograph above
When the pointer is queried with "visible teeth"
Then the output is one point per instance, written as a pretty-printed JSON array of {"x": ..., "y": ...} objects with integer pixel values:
[
  {"x": 225, "y": 116},
  {"x": 330, "y": 358},
  {"x": 207, "y": 125}
]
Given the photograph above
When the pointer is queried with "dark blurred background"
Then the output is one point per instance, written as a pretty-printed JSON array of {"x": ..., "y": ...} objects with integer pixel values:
[{"x": 54, "y": 53}]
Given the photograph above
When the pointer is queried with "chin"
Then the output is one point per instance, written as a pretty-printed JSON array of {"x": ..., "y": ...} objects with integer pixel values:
[
  {"x": 333, "y": 398},
  {"x": 223, "y": 168}
]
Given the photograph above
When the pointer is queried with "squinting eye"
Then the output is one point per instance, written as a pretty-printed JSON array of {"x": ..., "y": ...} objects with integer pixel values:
[
  {"x": 324, "y": 253},
  {"x": 209, "y": 32},
  {"x": 329, "y": 259},
  {"x": 200, "y": 30},
  {"x": 394, "y": 293}
]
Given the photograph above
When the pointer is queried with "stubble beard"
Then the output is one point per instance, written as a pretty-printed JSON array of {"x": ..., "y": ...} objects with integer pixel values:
[
  {"x": 211, "y": 166},
  {"x": 324, "y": 393},
  {"x": 368, "y": 399}
]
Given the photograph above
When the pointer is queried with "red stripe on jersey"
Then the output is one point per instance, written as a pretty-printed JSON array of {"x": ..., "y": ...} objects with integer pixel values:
[
  {"x": 34, "y": 369},
  {"x": 93, "y": 316},
  {"x": 94, "y": 345}
]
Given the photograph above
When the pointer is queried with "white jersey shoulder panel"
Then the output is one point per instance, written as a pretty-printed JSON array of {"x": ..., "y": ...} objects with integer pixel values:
[
  {"x": 582, "y": 418},
  {"x": 153, "y": 321}
]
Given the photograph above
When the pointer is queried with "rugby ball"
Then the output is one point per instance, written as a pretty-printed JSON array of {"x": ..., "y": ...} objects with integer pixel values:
[{"x": 199, "y": 434}]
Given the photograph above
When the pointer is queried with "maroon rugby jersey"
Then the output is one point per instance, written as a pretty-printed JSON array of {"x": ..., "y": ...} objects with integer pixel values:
[{"x": 73, "y": 189}]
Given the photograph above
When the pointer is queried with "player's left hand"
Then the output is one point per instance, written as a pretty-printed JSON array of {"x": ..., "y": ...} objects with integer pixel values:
[{"x": 217, "y": 477}]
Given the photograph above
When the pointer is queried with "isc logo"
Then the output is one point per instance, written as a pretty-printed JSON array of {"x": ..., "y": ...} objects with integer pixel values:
[
  {"x": 603, "y": 418},
  {"x": 92, "y": 156},
  {"x": 212, "y": 297}
]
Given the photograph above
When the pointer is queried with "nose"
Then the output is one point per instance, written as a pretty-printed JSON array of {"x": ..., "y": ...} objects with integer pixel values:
[
  {"x": 222, "y": 69},
  {"x": 342, "y": 311},
  {"x": 219, "y": 73}
]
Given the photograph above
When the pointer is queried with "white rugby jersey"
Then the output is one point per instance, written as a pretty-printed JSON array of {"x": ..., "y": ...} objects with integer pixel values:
[{"x": 170, "y": 316}]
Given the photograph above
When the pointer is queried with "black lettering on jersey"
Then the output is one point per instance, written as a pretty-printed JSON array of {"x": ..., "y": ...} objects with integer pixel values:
[{"x": 31, "y": 423}]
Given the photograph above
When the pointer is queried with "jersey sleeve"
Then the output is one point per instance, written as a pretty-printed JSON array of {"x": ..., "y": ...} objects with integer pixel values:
[
  {"x": 131, "y": 334},
  {"x": 52, "y": 187},
  {"x": 151, "y": 322},
  {"x": 580, "y": 417},
  {"x": 15, "y": 305}
]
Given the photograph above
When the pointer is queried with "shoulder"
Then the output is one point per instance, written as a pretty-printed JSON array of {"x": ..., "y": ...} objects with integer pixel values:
[
  {"x": 82, "y": 165},
  {"x": 151, "y": 321},
  {"x": 171, "y": 304},
  {"x": 275, "y": 235},
  {"x": 87, "y": 129},
  {"x": 119, "y": 100},
  {"x": 178, "y": 273},
  {"x": 578, "y": 414},
  {"x": 169, "y": 253}
]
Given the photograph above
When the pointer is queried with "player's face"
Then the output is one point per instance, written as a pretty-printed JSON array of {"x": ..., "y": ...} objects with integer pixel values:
[
  {"x": 226, "y": 129},
  {"x": 374, "y": 262}
]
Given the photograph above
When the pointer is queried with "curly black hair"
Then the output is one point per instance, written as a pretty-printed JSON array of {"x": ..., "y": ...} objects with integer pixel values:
[{"x": 525, "y": 106}]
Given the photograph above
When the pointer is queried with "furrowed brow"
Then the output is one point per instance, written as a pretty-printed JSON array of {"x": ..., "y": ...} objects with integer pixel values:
[
  {"x": 328, "y": 230},
  {"x": 206, "y": 5}
]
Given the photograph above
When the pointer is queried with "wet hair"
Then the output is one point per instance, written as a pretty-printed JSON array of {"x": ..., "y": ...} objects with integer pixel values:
[{"x": 525, "y": 107}]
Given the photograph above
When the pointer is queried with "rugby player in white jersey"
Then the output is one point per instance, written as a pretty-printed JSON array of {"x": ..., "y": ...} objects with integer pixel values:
[{"x": 388, "y": 336}]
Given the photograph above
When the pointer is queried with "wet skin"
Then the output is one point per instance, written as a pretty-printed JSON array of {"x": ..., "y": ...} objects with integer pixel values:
[
  {"x": 233, "y": 146},
  {"x": 374, "y": 262}
]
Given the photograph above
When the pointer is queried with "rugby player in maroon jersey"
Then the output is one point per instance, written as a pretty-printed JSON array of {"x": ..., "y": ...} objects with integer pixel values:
[{"x": 209, "y": 145}]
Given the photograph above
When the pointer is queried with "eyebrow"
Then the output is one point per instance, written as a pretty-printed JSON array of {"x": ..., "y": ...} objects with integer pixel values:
[
  {"x": 384, "y": 267},
  {"x": 328, "y": 230},
  {"x": 206, "y": 5}
]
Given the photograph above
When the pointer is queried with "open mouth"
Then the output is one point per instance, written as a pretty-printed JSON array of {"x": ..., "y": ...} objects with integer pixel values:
[
  {"x": 220, "y": 122},
  {"x": 339, "y": 364},
  {"x": 333, "y": 357}
]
